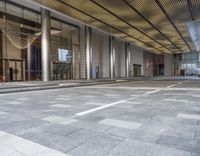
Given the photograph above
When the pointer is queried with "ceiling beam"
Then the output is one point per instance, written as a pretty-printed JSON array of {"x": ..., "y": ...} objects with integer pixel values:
[
  {"x": 150, "y": 23},
  {"x": 170, "y": 20},
  {"x": 158, "y": 50},
  {"x": 130, "y": 25}
]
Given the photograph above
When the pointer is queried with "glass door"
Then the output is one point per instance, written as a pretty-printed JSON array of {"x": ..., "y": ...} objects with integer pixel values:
[
  {"x": 62, "y": 71},
  {"x": 137, "y": 70},
  {"x": 16, "y": 70}
]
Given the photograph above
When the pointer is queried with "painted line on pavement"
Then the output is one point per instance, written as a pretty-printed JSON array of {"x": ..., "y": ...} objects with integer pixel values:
[
  {"x": 151, "y": 92},
  {"x": 174, "y": 85},
  {"x": 100, "y": 108},
  {"x": 113, "y": 104},
  {"x": 15, "y": 145}
]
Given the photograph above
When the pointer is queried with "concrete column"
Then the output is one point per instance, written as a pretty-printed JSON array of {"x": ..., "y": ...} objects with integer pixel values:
[
  {"x": 88, "y": 50},
  {"x": 46, "y": 38},
  {"x": 127, "y": 59},
  {"x": 112, "y": 56}
]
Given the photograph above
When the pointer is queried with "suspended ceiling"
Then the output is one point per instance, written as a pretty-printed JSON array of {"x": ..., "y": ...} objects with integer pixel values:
[{"x": 157, "y": 25}]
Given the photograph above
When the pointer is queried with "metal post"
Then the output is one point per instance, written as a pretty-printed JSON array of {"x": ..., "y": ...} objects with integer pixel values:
[
  {"x": 88, "y": 50},
  {"x": 127, "y": 59},
  {"x": 46, "y": 38},
  {"x": 112, "y": 57},
  {"x": 29, "y": 57}
]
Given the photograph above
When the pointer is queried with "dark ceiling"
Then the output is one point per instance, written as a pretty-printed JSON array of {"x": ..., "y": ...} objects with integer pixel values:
[{"x": 157, "y": 25}]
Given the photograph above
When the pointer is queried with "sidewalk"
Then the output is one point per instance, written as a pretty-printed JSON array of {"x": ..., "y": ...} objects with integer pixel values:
[{"x": 10, "y": 87}]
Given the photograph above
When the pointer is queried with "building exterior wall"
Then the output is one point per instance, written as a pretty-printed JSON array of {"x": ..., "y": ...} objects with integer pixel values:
[{"x": 100, "y": 53}]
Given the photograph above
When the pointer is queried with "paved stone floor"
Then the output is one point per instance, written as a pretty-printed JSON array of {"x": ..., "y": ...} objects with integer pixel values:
[{"x": 138, "y": 118}]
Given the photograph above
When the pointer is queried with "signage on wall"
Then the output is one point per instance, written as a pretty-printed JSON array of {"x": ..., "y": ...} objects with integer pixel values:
[{"x": 64, "y": 55}]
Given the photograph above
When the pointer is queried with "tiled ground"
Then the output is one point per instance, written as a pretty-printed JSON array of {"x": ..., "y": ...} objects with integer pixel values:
[{"x": 139, "y": 118}]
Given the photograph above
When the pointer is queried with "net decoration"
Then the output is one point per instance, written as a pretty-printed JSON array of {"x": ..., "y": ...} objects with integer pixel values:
[{"x": 19, "y": 40}]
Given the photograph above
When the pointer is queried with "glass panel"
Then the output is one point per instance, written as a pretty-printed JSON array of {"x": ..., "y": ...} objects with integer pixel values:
[
  {"x": 13, "y": 10},
  {"x": 189, "y": 64},
  {"x": 75, "y": 36},
  {"x": 20, "y": 47},
  {"x": 31, "y": 16},
  {"x": 64, "y": 55},
  {"x": 76, "y": 65}
]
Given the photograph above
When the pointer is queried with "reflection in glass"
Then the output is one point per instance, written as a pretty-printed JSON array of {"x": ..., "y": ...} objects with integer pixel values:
[
  {"x": 187, "y": 64},
  {"x": 20, "y": 53},
  {"x": 64, "y": 55},
  {"x": 20, "y": 45}
]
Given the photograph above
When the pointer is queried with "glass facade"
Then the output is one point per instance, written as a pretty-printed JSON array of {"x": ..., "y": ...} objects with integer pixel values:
[
  {"x": 64, "y": 51},
  {"x": 187, "y": 64},
  {"x": 20, "y": 45}
]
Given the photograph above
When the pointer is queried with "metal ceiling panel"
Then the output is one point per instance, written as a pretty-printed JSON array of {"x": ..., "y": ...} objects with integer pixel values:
[
  {"x": 157, "y": 25},
  {"x": 180, "y": 14}
]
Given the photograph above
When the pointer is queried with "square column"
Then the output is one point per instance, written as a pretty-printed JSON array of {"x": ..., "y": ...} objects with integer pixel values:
[{"x": 45, "y": 40}]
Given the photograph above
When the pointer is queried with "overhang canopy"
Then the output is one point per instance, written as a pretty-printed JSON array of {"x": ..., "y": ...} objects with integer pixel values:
[{"x": 159, "y": 26}]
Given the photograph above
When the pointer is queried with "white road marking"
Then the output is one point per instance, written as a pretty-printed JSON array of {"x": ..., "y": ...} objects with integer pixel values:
[
  {"x": 195, "y": 95},
  {"x": 61, "y": 106},
  {"x": 175, "y": 100},
  {"x": 100, "y": 108},
  {"x": 60, "y": 120},
  {"x": 3, "y": 113},
  {"x": 112, "y": 104},
  {"x": 14, "y": 145},
  {"x": 174, "y": 85},
  {"x": 189, "y": 116},
  {"x": 14, "y": 103},
  {"x": 151, "y": 92},
  {"x": 171, "y": 86},
  {"x": 133, "y": 102},
  {"x": 121, "y": 123},
  {"x": 173, "y": 94}
]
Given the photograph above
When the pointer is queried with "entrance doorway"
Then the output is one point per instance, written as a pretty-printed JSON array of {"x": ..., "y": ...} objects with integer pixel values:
[
  {"x": 182, "y": 72},
  {"x": 137, "y": 70},
  {"x": 16, "y": 70},
  {"x": 12, "y": 70},
  {"x": 62, "y": 71}
]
